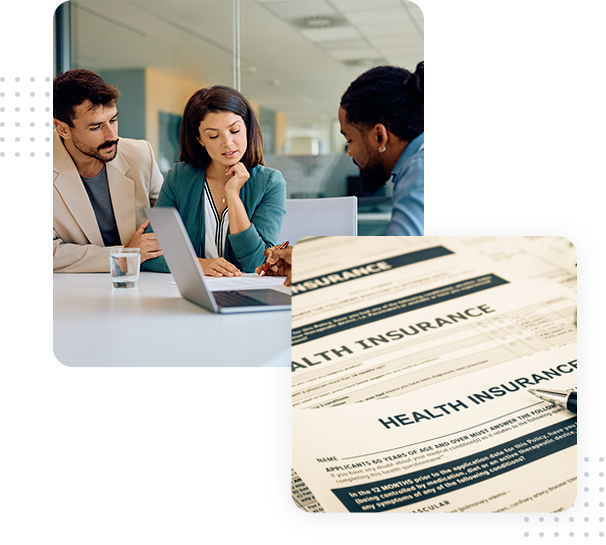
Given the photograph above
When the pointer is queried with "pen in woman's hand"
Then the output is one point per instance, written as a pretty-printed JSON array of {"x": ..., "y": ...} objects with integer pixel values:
[{"x": 266, "y": 267}]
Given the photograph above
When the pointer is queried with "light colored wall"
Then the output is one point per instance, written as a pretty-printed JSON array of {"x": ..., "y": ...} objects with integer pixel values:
[
  {"x": 301, "y": 145},
  {"x": 280, "y": 132},
  {"x": 167, "y": 93}
]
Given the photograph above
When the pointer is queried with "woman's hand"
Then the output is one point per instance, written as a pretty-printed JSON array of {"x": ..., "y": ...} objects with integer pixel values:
[
  {"x": 238, "y": 217},
  {"x": 218, "y": 267},
  {"x": 238, "y": 176},
  {"x": 280, "y": 263}
]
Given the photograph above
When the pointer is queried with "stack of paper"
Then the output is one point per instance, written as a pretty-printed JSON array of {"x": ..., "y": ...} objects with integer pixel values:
[{"x": 412, "y": 357}]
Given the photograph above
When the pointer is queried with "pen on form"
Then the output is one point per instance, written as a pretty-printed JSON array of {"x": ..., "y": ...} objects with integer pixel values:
[
  {"x": 281, "y": 247},
  {"x": 568, "y": 400}
]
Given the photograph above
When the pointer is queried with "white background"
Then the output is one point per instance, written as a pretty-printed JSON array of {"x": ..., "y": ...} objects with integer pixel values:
[{"x": 519, "y": 114}]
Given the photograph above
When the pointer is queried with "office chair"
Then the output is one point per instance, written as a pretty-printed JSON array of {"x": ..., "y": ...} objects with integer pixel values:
[{"x": 331, "y": 216}]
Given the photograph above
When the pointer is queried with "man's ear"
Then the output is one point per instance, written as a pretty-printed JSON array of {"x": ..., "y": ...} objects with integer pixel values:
[
  {"x": 62, "y": 129},
  {"x": 380, "y": 135}
]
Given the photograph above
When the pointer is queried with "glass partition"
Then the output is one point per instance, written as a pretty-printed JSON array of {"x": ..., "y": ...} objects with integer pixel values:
[{"x": 296, "y": 58}]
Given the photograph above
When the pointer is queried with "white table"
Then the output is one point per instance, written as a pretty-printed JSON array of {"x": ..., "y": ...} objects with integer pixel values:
[{"x": 153, "y": 326}]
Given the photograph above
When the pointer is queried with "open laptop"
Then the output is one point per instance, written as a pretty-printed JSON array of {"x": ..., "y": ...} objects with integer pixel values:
[{"x": 185, "y": 268}]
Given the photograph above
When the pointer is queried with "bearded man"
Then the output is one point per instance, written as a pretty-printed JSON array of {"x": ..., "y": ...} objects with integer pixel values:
[
  {"x": 381, "y": 117},
  {"x": 102, "y": 183}
]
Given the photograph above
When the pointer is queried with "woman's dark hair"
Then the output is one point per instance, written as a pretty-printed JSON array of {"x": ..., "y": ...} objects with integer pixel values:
[
  {"x": 218, "y": 99},
  {"x": 388, "y": 95},
  {"x": 74, "y": 87}
]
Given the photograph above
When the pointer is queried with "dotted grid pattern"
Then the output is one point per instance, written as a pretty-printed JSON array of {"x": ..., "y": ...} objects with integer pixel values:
[{"x": 585, "y": 519}]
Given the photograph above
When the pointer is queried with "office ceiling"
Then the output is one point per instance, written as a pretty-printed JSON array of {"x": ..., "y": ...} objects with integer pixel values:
[{"x": 297, "y": 56}]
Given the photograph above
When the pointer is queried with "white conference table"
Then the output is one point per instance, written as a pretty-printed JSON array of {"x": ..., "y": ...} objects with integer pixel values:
[{"x": 153, "y": 326}]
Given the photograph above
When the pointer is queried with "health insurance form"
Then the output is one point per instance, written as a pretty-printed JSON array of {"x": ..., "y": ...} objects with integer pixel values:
[{"x": 462, "y": 326}]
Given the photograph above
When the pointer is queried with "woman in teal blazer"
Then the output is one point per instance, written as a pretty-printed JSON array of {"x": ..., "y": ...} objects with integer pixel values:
[{"x": 232, "y": 205}]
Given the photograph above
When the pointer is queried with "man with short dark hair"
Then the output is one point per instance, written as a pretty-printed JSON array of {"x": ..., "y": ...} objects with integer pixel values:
[
  {"x": 381, "y": 117},
  {"x": 102, "y": 183}
]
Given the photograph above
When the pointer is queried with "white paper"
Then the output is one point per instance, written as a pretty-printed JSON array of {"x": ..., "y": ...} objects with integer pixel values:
[
  {"x": 248, "y": 281},
  {"x": 472, "y": 446},
  {"x": 367, "y": 327}
]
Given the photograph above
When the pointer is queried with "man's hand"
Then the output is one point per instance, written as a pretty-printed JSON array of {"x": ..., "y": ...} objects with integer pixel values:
[
  {"x": 146, "y": 241},
  {"x": 280, "y": 263}
]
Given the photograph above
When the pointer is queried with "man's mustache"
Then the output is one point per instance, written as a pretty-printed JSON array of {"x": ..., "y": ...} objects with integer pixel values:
[{"x": 107, "y": 144}]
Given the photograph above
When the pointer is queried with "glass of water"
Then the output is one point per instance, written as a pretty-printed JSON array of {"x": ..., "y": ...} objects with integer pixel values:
[{"x": 125, "y": 264}]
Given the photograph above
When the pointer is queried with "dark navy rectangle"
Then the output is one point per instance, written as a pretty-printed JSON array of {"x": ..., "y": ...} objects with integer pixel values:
[
  {"x": 395, "y": 262},
  {"x": 388, "y": 309},
  {"x": 364, "y": 492}
]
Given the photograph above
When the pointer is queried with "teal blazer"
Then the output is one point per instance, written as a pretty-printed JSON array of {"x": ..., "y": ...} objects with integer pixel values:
[{"x": 263, "y": 196}]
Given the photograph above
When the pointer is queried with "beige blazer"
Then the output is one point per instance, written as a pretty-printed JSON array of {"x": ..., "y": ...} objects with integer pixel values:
[{"x": 133, "y": 177}]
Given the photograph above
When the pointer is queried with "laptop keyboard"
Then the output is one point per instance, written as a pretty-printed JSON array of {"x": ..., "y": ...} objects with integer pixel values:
[{"x": 235, "y": 299}]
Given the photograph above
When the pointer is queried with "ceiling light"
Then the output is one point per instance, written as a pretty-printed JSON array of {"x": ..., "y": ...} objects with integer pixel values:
[
  {"x": 364, "y": 62},
  {"x": 319, "y": 21}
]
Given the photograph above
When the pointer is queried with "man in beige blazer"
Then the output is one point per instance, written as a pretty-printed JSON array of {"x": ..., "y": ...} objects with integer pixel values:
[{"x": 102, "y": 183}]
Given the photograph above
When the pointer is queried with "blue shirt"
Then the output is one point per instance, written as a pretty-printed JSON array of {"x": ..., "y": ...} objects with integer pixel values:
[{"x": 408, "y": 202}]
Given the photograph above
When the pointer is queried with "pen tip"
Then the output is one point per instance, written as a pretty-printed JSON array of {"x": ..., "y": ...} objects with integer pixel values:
[{"x": 531, "y": 391}]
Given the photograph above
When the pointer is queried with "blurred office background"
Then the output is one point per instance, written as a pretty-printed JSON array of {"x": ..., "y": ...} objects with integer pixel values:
[{"x": 293, "y": 59}]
